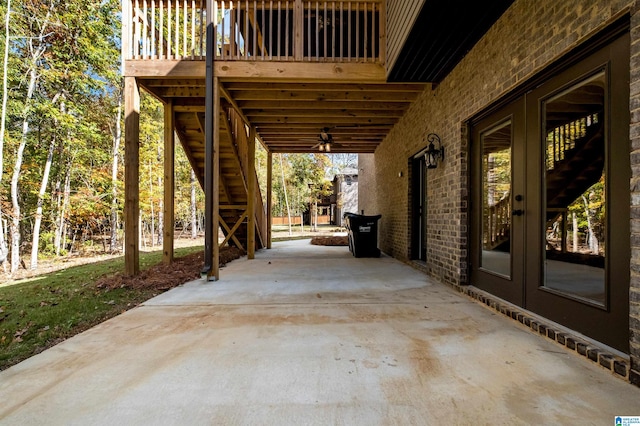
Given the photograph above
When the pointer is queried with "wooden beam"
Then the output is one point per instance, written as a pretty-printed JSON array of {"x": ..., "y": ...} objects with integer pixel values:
[
  {"x": 334, "y": 87},
  {"x": 319, "y": 120},
  {"x": 321, "y": 95},
  {"x": 180, "y": 92},
  {"x": 328, "y": 114},
  {"x": 189, "y": 108},
  {"x": 132, "y": 177},
  {"x": 269, "y": 196},
  {"x": 324, "y": 104},
  {"x": 357, "y": 72},
  {"x": 251, "y": 193},
  {"x": 231, "y": 232},
  {"x": 233, "y": 206},
  {"x": 174, "y": 82},
  {"x": 169, "y": 183}
]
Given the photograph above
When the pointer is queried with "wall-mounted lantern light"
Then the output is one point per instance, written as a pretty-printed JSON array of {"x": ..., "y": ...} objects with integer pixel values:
[{"x": 432, "y": 155}]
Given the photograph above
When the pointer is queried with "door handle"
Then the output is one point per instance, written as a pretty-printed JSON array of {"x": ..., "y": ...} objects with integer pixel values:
[{"x": 517, "y": 212}]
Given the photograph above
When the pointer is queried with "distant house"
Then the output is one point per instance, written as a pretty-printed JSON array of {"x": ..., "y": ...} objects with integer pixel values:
[{"x": 345, "y": 195}]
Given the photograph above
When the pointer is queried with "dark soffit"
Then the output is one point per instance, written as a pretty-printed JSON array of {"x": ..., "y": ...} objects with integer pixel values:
[{"x": 442, "y": 35}]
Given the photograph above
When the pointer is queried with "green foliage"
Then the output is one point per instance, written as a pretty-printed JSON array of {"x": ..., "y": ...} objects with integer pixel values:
[
  {"x": 304, "y": 176},
  {"x": 74, "y": 109}
]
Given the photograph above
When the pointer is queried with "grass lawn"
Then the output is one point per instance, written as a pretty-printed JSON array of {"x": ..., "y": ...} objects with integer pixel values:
[{"x": 39, "y": 312}]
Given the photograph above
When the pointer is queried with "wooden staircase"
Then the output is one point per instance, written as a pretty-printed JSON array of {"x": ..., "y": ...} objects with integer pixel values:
[
  {"x": 580, "y": 168},
  {"x": 575, "y": 164},
  {"x": 234, "y": 177}
]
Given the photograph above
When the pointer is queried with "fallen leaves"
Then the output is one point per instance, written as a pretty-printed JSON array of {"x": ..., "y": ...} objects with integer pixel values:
[
  {"x": 17, "y": 337},
  {"x": 331, "y": 241},
  {"x": 163, "y": 277}
]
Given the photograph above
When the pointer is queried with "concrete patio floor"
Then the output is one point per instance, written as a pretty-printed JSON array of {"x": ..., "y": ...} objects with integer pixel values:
[{"x": 306, "y": 335}]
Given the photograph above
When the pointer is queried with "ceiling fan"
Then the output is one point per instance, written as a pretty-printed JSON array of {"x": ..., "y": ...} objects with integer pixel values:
[{"x": 325, "y": 141}]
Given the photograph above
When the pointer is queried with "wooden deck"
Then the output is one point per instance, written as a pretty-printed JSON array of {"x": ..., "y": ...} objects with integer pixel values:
[{"x": 285, "y": 71}]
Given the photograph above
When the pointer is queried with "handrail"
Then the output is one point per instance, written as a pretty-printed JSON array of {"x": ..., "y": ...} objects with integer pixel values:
[
  {"x": 255, "y": 30},
  {"x": 563, "y": 138},
  {"x": 497, "y": 223}
]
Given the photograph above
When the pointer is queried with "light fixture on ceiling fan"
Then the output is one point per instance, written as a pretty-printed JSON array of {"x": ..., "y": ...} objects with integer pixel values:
[{"x": 325, "y": 140}]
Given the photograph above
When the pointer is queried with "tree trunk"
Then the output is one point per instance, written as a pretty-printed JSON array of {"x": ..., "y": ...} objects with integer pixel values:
[
  {"x": 117, "y": 137},
  {"x": 575, "y": 232},
  {"x": 36, "y": 53},
  {"x": 38, "y": 218},
  {"x": 592, "y": 240},
  {"x": 5, "y": 91},
  {"x": 153, "y": 214},
  {"x": 15, "y": 220},
  {"x": 194, "y": 216},
  {"x": 4, "y": 251},
  {"x": 57, "y": 220},
  {"x": 286, "y": 199},
  {"x": 61, "y": 225},
  {"x": 3, "y": 248},
  {"x": 160, "y": 216}
]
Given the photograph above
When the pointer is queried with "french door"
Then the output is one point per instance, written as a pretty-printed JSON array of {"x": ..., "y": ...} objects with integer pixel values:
[{"x": 550, "y": 198}]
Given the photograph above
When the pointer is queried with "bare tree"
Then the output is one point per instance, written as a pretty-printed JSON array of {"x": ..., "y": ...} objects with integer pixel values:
[
  {"x": 38, "y": 217},
  {"x": 194, "y": 217},
  {"x": 117, "y": 138}
]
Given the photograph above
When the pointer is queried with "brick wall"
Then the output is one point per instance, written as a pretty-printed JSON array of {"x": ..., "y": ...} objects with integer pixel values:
[{"x": 526, "y": 39}]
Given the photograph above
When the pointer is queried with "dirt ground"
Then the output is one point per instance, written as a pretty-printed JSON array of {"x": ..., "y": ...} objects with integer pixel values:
[
  {"x": 163, "y": 277},
  {"x": 340, "y": 240}
]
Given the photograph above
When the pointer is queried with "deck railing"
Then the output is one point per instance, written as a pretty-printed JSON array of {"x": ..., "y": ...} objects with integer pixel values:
[
  {"x": 255, "y": 30},
  {"x": 497, "y": 227},
  {"x": 562, "y": 139}
]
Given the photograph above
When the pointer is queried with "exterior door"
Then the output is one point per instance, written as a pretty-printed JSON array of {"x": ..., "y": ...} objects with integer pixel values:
[
  {"x": 550, "y": 206},
  {"x": 419, "y": 209},
  {"x": 497, "y": 263},
  {"x": 578, "y": 226}
]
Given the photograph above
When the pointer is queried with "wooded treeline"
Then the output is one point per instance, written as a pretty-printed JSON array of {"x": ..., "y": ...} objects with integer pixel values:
[{"x": 60, "y": 136}]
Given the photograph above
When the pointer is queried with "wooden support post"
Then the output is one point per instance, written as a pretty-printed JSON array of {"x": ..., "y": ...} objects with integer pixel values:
[
  {"x": 131, "y": 177},
  {"x": 169, "y": 184},
  {"x": 251, "y": 194},
  {"x": 269, "y": 196}
]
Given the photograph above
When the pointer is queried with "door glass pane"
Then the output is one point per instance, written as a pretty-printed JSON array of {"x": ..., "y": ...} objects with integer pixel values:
[
  {"x": 575, "y": 191},
  {"x": 496, "y": 200}
]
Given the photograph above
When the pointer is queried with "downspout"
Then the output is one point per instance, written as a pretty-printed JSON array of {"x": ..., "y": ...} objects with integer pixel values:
[{"x": 208, "y": 143}]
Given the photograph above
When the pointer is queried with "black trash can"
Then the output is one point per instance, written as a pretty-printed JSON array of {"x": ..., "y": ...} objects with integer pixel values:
[{"x": 363, "y": 234}]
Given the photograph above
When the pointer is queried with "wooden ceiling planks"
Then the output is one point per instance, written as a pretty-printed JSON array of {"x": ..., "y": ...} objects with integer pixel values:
[{"x": 289, "y": 116}]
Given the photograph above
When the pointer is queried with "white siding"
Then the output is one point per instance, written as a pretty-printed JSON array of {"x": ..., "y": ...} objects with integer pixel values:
[{"x": 401, "y": 15}]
